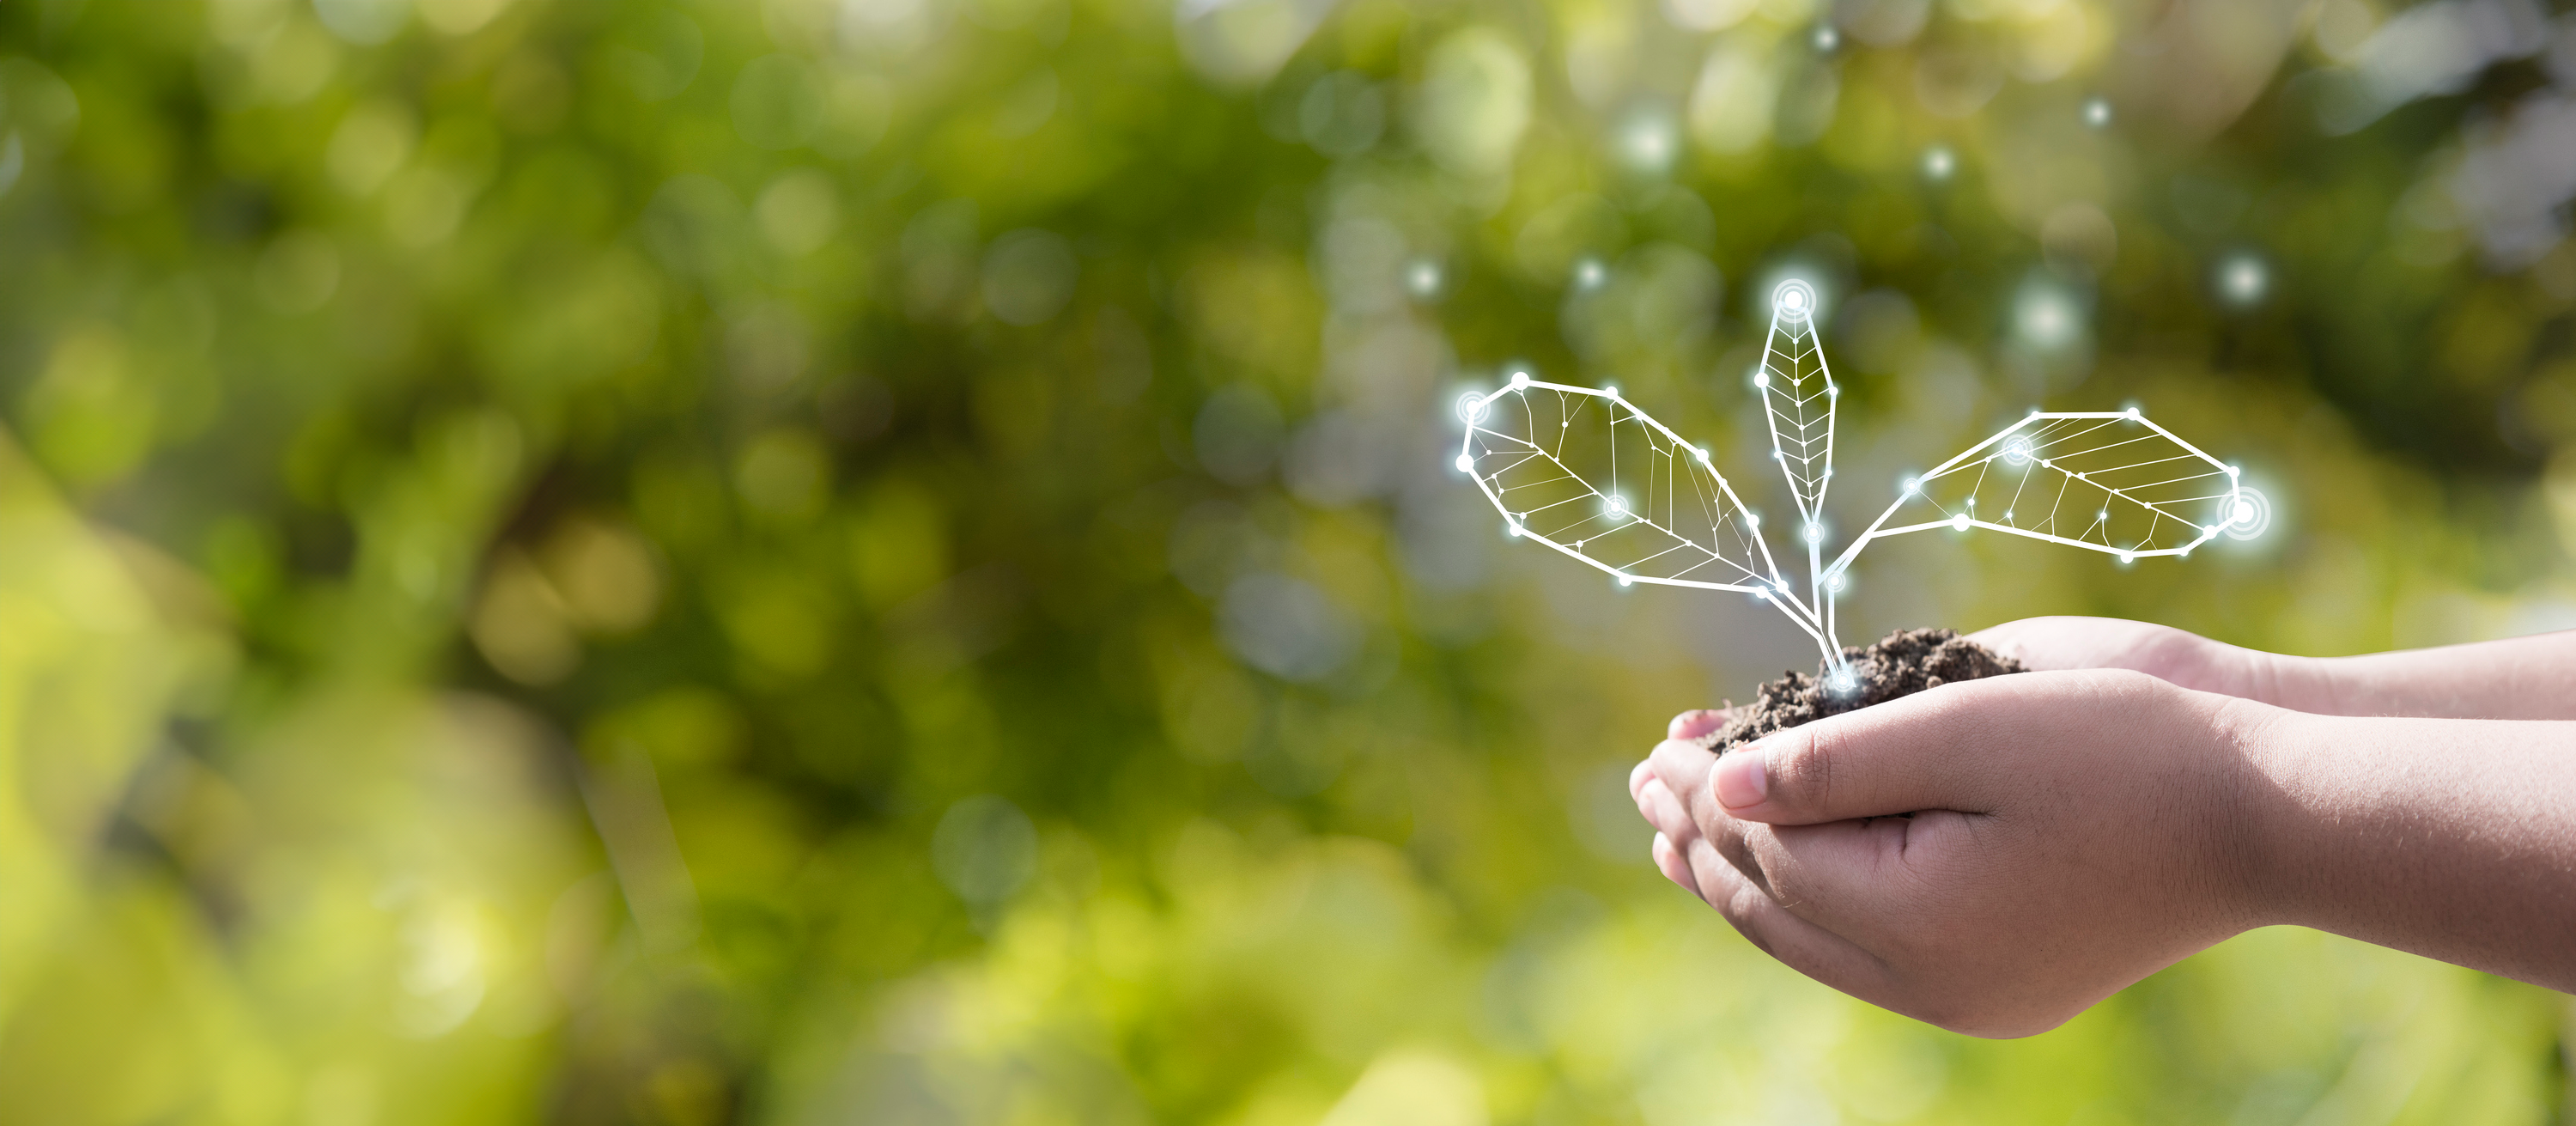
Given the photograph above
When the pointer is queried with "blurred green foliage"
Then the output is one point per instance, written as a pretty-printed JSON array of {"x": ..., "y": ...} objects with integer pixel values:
[{"x": 891, "y": 560}]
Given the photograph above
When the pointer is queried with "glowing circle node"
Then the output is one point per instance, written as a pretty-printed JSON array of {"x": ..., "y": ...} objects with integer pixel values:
[
  {"x": 1471, "y": 407},
  {"x": 1465, "y": 463},
  {"x": 1794, "y": 301},
  {"x": 2249, "y": 515},
  {"x": 1960, "y": 522}
]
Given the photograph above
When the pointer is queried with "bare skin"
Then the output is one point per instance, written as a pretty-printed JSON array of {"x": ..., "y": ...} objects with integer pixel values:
[{"x": 2143, "y": 796}]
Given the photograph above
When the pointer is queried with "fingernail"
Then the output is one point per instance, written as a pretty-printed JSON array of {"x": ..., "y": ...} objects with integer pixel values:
[{"x": 1741, "y": 778}]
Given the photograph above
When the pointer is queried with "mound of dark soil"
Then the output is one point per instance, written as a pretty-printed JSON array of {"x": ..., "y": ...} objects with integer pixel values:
[{"x": 1900, "y": 664}]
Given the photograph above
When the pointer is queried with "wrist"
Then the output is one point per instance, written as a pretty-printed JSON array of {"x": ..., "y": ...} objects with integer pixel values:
[{"x": 2271, "y": 861}]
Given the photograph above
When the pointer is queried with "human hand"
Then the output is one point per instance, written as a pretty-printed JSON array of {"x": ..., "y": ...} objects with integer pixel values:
[
  {"x": 2072, "y": 832},
  {"x": 2176, "y": 656}
]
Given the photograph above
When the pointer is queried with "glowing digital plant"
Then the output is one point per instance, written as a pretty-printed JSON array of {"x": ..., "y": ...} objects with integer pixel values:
[{"x": 1584, "y": 471}]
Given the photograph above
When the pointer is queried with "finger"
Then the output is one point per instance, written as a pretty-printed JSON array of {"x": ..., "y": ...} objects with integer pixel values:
[
  {"x": 1798, "y": 943},
  {"x": 1682, "y": 769},
  {"x": 1695, "y": 723},
  {"x": 1637, "y": 778},
  {"x": 1919, "y": 752},
  {"x": 1850, "y": 877},
  {"x": 1666, "y": 813},
  {"x": 1668, "y": 860}
]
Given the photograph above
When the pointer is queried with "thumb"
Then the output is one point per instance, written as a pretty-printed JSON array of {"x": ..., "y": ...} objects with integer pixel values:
[{"x": 1898, "y": 757}]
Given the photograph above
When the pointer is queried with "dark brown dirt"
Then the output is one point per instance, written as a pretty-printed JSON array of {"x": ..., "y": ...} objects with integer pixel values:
[{"x": 1900, "y": 664}]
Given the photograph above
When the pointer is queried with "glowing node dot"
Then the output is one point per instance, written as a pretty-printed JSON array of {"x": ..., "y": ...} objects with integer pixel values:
[
  {"x": 1836, "y": 583},
  {"x": 1939, "y": 163},
  {"x": 1703, "y": 455},
  {"x": 1959, "y": 522},
  {"x": 2125, "y": 557},
  {"x": 1465, "y": 463},
  {"x": 1515, "y": 528},
  {"x": 1625, "y": 580},
  {"x": 2244, "y": 512},
  {"x": 1912, "y": 485},
  {"x": 1618, "y": 505},
  {"x": 2097, "y": 112},
  {"x": 1520, "y": 379},
  {"x": 2133, "y": 412},
  {"x": 1762, "y": 379},
  {"x": 1814, "y": 533}
]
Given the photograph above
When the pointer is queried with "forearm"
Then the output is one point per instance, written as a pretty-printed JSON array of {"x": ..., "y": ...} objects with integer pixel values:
[
  {"x": 2520, "y": 678},
  {"x": 2454, "y": 839}
]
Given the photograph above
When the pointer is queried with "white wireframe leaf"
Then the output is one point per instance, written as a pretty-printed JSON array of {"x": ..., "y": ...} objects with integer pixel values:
[
  {"x": 1587, "y": 473},
  {"x": 1798, "y": 396},
  {"x": 2113, "y": 482}
]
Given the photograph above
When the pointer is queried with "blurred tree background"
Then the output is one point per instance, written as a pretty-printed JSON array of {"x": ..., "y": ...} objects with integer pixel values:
[{"x": 893, "y": 561}]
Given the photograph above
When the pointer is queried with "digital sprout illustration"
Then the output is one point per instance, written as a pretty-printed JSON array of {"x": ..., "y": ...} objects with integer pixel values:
[{"x": 1586, "y": 472}]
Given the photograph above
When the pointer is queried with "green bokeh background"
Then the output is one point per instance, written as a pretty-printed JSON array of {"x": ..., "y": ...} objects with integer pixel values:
[{"x": 893, "y": 561}]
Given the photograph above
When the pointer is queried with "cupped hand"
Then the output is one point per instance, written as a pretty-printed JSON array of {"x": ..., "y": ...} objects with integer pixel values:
[
  {"x": 2070, "y": 833},
  {"x": 2180, "y": 657}
]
